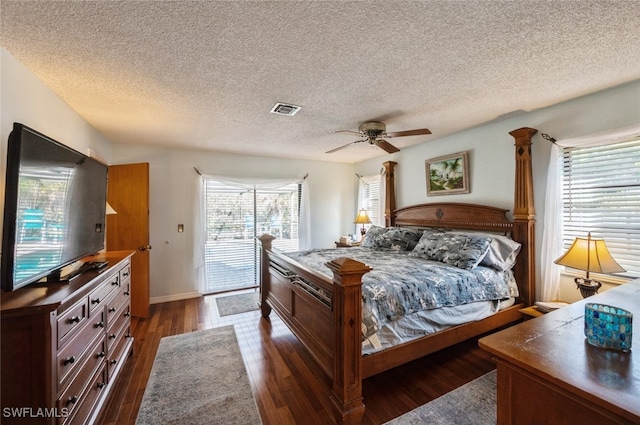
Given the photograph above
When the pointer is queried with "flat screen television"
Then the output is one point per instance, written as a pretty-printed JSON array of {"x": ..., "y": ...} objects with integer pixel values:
[{"x": 54, "y": 208}]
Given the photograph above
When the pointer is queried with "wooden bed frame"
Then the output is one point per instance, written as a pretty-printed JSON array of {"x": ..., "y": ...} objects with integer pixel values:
[{"x": 325, "y": 314}]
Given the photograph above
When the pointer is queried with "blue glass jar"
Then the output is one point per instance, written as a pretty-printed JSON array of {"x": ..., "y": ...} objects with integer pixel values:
[{"x": 608, "y": 327}]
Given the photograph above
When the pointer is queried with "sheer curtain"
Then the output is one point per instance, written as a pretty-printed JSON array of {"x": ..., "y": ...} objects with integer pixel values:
[
  {"x": 552, "y": 234},
  {"x": 200, "y": 232}
]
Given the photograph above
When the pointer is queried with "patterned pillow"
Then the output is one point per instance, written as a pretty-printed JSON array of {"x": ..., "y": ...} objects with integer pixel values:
[
  {"x": 503, "y": 251},
  {"x": 462, "y": 251},
  {"x": 392, "y": 237},
  {"x": 371, "y": 235}
]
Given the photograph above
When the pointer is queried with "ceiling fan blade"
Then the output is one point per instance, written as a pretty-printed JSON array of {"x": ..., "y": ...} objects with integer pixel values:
[
  {"x": 345, "y": 146},
  {"x": 417, "y": 132},
  {"x": 383, "y": 144},
  {"x": 357, "y": 133}
]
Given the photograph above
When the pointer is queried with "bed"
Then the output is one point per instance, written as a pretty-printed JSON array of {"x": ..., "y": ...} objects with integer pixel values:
[{"x": 322, "y": 302}]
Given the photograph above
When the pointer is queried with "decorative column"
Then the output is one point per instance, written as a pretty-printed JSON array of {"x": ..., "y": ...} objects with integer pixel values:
[
  {"x": 390, "y": 194},
  {"x": 524, "y": 213},
  {"x": 346, "y": 391}
]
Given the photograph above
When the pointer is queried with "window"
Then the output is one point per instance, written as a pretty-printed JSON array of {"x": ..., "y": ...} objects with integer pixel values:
[
  {"x": 235, "y": 216},
  {"x": 601, "y": 195},
  {"x": 369, "y": 199}
]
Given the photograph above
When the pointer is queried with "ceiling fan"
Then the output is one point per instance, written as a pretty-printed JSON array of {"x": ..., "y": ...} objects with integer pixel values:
[{"x": 374, "y": 132}]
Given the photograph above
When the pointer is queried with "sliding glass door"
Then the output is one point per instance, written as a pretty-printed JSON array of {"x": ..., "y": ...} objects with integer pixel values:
[{"x": 235, "y": 216}]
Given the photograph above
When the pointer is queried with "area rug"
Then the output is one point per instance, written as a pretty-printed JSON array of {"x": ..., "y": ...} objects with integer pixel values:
[
  {"x": 471, "y": 404},
  {"x": 236, "y": 304},
  {"x": 198, "y": 378}
]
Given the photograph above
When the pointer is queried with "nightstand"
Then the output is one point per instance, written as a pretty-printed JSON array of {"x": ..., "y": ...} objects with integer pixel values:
[
  {"x": 533, "y": 311},
  {"x": 530, "y": 312}
]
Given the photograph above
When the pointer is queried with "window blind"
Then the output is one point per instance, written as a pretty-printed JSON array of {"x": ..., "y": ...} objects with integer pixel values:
[
  {"x": 601, "y": 195},
  {"x": 235, "y": 216},
  {"x": 371, "y": 201}
]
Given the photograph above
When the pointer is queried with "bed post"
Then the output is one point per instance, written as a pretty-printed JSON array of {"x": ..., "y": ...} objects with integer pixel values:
[
  {"x": 390, "y": 193},
  {"x": 265, "y": 245},
  {"x": 346, "y": 391},
  {"x": 524, "y": 213}
]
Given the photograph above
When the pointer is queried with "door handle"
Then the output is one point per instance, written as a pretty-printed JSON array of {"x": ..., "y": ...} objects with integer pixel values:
[{"x": 144, "y": 248}]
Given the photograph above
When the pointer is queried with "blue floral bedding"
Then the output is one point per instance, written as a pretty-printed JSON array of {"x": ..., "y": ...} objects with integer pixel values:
[{"x": 400, "y": 284}]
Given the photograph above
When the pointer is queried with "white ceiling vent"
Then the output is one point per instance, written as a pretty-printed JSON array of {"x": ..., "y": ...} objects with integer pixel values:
[{"x": 285, "y": 109}]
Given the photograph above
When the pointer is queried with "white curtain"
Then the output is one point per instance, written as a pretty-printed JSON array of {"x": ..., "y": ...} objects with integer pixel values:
[
  {"x": 249, "y": 183},
  {"x": 552, "y": 233},
  {"x": 199, "y": 235}
]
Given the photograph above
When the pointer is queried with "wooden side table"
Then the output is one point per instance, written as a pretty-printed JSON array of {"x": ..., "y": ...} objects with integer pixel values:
[{"x": 530, "y": 312}]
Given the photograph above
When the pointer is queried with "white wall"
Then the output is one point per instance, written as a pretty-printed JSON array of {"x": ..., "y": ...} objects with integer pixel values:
[
  {"x": 491, "y": 154},
  {"x": 27, "y": 100},
  {"x": 173, "y": 194}
]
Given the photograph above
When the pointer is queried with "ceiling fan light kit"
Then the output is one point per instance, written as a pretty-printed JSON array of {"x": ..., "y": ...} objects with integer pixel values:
[{"x": 374, "y": 133}]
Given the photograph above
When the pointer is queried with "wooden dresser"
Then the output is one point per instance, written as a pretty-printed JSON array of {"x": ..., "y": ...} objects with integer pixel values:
[
  {"x": 64, "y": 345},
  {"x": 549, "y": 374}
]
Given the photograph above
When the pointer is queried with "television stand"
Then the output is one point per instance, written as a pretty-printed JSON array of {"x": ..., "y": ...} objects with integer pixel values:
[{"x": 64, "y": 348}]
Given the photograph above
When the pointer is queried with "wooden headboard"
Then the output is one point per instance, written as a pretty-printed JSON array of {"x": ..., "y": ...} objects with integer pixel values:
[{"x": 482, "y": 217}]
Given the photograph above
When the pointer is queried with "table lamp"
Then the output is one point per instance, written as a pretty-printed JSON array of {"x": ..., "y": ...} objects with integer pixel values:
[
  {"x": 590, "y": 255},
  {"x": 362, "y": 218}
]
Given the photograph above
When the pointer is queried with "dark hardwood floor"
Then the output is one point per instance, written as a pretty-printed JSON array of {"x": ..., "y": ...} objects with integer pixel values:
[{"x": 288, "y": 386}]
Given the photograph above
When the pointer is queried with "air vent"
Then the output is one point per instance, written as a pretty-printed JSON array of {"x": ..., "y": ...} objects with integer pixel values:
[{"x": 285, "y": 109}]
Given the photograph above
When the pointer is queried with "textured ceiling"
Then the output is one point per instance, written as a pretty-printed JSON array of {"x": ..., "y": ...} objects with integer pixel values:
[{"x": 205, "y": 74}]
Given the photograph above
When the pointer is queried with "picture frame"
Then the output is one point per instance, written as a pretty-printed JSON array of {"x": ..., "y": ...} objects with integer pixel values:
[{"x": 448, "y": 174}]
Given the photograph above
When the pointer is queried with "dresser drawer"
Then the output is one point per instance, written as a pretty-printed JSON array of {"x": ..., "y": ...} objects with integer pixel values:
[
  {"x": 78, "y": 412},
  {"x": 116, "y": 303},
  {"x": 125, "y": 273},
  {"x": 71, "y": 320},
  {"x": 115, "y": 328},
  {"x": 99, "y": 296},
  {"x": 76, "y": 353},
  {"x": 117, "y": 355}
]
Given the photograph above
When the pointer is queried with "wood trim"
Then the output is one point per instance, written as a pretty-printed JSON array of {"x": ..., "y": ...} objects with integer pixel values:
[{"x": 390, "y": 193}]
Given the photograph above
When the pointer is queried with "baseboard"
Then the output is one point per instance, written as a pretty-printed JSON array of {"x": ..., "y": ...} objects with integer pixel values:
[{"x": 176, "y": 297}]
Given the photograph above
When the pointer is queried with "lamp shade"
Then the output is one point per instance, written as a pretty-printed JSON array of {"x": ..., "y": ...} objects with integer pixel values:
[
  {"x": 362, "y": 217},
  {"x": 590, "y": 255}
]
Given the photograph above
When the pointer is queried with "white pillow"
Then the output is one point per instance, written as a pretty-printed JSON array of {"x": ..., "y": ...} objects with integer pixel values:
[{"x": 502, "y": 252}]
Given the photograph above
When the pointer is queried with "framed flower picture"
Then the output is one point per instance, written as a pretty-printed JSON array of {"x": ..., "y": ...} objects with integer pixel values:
[{"x": 448, "y": 175}]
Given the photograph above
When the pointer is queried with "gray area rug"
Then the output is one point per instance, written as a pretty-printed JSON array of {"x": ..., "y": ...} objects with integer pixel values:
[
  {"x": 471, "y": 404},
  {"x": 236, "y": 304},
  {"x": 198, "y": 378}
]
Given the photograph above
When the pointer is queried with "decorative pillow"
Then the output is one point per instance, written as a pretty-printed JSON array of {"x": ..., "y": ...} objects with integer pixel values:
[
  {"x": 502, "y": 251},
  {"x": 462, "y": 251},
  {"x": 391, "y": 237},
  {"x": 371, "y": 235}
]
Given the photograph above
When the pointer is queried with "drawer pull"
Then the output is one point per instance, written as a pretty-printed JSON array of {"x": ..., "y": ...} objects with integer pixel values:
[
  {"x": 74, "y": 319},
  {"x": 126, "y": 293},
  {"x": 112, "y": 362},
  {"x": 101, "y": 385},
  {"x": 115, "y": 282},
  {"x": 127, "y": 314},
  {"x": 99, "y": 325},
  {"x": 125, "y": 274},
  {"x": 69, "y": 360},
  {"x": 112, "y": 309},
  {"x": 95, "y": 301},
  {"x": 112, "y": 336},
  {"x": 101, "y": 354},
  {"x": 72, "y": 399},
  {"x": 127, "y": 336}
]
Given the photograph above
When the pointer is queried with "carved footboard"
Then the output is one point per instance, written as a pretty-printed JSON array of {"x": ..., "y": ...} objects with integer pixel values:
[{"x": 325, "y": 315}]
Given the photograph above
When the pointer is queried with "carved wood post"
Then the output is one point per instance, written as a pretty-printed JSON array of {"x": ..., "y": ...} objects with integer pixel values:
[
  {"x": 346, "y": 392},
  {"x": 266, "y": 241},
  {"x": 524, "y": 212},
  {"x": 390, "y": 194}
]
